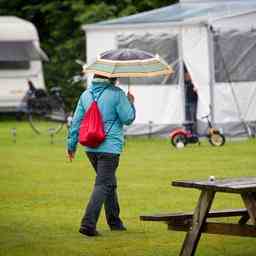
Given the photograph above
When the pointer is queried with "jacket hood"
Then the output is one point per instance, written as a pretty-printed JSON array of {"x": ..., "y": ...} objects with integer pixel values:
[{"x": 99, "y": 84}]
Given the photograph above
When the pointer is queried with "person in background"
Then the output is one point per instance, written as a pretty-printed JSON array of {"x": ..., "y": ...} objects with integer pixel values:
[
  {"x": 22, "y": 108},
  {"x": 30, "y": 91},
  {"x": 34, "y": 92},
  {"x": 191, "y": 100},
  {"x": 117, "y": 110}
]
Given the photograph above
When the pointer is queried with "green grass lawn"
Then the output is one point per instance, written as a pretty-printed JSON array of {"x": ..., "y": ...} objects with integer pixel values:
[{"x": 42, "y": 196}]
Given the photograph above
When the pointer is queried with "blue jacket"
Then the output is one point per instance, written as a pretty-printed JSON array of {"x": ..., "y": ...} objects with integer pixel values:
[{"x": 116, "y": 111}]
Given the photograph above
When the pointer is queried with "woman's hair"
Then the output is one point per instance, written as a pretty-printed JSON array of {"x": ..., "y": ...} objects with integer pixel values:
[
  {"x": 113, "y": 79},
  {"x": 99, "y": 76}
]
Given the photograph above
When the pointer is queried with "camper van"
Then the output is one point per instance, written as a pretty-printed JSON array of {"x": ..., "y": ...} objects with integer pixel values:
[{"x": 20, "y": 60}]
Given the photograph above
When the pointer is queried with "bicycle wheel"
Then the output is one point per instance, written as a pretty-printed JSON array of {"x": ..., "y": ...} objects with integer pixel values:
[
  {"x": 46, "y": 115},
  {"x": 217, "y": 139}
]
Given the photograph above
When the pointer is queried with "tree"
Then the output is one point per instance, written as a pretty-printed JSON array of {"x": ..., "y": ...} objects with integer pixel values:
[{"x": 59, "y": 24}]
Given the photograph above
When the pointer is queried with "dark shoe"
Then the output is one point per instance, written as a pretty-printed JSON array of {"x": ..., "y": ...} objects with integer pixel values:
[
  {"x": 89, "y": 232},
  {"x": 118, "y": 228}
]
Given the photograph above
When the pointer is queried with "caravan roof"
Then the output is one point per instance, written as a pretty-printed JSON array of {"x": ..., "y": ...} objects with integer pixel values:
[
  {"x": 186, "y": 10},
  {"x": 19, "y": 40},
  {"x": 17, "y": 29}
]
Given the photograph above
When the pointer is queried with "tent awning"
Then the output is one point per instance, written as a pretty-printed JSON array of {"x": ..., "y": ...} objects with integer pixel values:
[
  {"x": 21, "y": 51},
  {"x": 185, "y": 11}
]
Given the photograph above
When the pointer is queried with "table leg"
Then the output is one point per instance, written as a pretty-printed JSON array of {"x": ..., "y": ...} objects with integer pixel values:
[
  {"x": 199, "y": 218},
  {"x": 250, "y": 203}
]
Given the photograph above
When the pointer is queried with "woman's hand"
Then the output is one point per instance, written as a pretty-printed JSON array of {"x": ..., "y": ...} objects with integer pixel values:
[
  {"x": 130, "y": 97},
  {"x": 71, "y": 155}
]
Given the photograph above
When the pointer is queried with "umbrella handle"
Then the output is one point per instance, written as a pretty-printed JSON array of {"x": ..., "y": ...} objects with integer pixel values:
[{"x": 129, "y": 85}]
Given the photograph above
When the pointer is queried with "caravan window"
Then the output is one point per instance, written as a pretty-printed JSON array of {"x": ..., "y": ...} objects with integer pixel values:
[
  {"x": 164, "y": 44},
  {"x": 234, "y": 56},
  {"x": 14, "y": 65},
  {"x": 17, "y": 55}
]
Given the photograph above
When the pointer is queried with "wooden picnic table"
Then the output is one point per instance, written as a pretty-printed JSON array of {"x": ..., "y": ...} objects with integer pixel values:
[
  {"x": 245, "y": 186},
  {"x": 196, "y": 223}
]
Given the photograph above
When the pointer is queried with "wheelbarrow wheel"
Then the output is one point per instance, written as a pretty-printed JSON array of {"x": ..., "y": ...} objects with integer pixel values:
[{"x": 178, "y": 138}]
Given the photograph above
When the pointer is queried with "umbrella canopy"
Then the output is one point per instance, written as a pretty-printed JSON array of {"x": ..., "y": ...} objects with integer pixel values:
[{"x": 129, "y": 63}]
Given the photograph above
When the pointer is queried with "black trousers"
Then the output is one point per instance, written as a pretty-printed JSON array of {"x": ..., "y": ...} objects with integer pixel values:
[
  {"x": 104, "y": 192},
  {"x": 191, "y": 116}
]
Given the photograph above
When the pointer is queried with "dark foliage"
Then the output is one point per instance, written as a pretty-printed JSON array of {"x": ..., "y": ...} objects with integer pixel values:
[{"x": 59, "y": 25}]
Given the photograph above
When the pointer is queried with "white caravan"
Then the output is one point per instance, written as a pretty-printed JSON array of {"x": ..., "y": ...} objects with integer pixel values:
[{"x": 20, "y": 61}]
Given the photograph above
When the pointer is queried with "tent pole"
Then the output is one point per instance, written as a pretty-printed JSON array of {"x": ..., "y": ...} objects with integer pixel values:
[
  {"x": 181, "y": 72},
  {"x": 211, "y": 75}
]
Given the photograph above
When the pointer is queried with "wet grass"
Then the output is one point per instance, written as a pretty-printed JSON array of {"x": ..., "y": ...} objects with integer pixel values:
[{"x": 42, "y": 195}]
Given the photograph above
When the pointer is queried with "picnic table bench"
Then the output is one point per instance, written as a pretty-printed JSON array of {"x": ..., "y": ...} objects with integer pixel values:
[{"x": 196, "y": 223}]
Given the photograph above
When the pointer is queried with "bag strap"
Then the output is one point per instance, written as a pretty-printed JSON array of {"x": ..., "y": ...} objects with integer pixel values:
[
  {"x": 111, "y": 126},
  {"x": 96, "y": 101}
]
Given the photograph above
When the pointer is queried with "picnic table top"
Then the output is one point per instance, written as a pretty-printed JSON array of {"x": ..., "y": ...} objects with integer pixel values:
[{"x": 230, "y": 185}]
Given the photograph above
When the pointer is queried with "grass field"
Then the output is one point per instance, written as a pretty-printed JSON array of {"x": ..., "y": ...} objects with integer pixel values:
[{"x": 42, "y": 196}]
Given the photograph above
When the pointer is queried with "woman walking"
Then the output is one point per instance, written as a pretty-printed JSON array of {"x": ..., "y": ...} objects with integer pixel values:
[{"x": 117, "y": 110}]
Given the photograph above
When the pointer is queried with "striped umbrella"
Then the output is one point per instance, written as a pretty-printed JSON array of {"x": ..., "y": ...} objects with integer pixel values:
[{"x": 128, "y": 63}]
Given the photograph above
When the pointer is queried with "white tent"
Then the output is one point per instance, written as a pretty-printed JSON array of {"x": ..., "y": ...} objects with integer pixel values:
[
  {"x": 216, "y": 40},
  {"x": 20, "y": 60}
]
